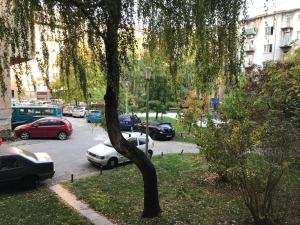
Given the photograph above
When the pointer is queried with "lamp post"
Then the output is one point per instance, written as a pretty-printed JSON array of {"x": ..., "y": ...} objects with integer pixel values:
[
  {"x": 148, "y": 76},
  {"x": 126, "y": 100}
]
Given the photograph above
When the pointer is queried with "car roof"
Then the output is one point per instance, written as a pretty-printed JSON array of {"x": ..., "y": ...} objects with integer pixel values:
[
  {"x": 158, "y": 122},
  {"x": 50, "y": 118},
  {"x": 133, "y": 134},
  {"x": 35, "y": 107},
  {"x": 8, "y": 151}
]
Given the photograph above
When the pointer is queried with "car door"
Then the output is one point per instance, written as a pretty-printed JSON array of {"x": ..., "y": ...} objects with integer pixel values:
[
  {"x": 53, "y": 128},
  {"x": 39, "y": 128},
  {"x": 12, "y": 168},
  {"x": 132, "y": 140}
]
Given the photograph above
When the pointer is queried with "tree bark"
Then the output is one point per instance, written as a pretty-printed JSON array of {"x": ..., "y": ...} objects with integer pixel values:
[{"x": 151, "y": 200}]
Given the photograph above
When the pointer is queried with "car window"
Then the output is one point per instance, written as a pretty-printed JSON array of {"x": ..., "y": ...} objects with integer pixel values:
[
  {"x": 95, "y": 111},
  {"x": 55, "y": 123},
  {"x": 8, "y": 163},
  {"x": 26, "y": 111},
  {"x": 47, "y": 112},
  {"x": 133, "y": 141},
  {"x": 165, "y": 125},
  {"x": 107, "y": 143},
  {"x": 42, "y": 123}
]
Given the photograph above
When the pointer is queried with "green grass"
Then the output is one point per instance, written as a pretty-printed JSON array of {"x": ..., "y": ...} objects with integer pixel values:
[
  {"x": 182, "y": 130},
  {"x": 185, "y": 195},
  {"x": 36, "y": 207}
]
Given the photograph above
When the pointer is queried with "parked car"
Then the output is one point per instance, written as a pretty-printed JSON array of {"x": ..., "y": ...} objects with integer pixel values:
[
  {"x": 79, "y": 111},
  {"x": 68, "y": 110},
  {"x": 106, "y": 155},
  {"x": 203, "y": 122},
  {"x": 19, "y": 166},
  {"x": 94, "y": 116},
  {"x": 25, "y": 114},
  {"x": 157, "y": 129},
  {"x": 127, "y": 121},
  {"x": 45, "y": 127}
]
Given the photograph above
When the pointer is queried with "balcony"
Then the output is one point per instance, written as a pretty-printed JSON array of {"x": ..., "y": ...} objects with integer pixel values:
[
  {"x": 286, "y": 44},
  {"x": 250, "y": 31},
  {"x": 249, "y": 48}
]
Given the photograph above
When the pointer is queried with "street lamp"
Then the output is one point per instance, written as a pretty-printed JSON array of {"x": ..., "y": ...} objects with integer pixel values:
[
  {"x": 148, "y": 76},
  {"x": 126, "y": 99}
]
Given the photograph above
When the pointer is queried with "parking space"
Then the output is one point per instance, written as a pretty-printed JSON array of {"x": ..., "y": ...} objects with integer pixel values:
[{"x": 69, "y": 155}]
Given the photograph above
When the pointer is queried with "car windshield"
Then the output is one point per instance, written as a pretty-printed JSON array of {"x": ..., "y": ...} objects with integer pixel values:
[
  {"x": 166, "y": 125},
  {"x": 107, "y": 143},
  {"x": 28, "y": 155},
  {"x": 95, "y": 111}
]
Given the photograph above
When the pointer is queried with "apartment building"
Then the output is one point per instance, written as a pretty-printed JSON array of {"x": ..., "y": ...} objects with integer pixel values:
[
  {"x": 9, "y": 57},
  {"x": 270, "y": 35}
]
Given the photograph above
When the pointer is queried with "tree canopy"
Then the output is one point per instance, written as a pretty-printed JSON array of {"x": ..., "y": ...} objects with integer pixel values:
[{"x": 205, "y": 30}]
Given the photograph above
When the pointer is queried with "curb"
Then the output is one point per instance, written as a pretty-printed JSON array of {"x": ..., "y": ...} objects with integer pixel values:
[{"x": 81, "y": 207}]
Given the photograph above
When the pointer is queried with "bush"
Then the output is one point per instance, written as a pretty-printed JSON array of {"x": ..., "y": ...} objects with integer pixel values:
[{"x": 257, "y": 148}]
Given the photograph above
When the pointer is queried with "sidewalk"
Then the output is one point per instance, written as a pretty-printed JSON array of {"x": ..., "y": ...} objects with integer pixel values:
[{"x": 79, "y": 206}]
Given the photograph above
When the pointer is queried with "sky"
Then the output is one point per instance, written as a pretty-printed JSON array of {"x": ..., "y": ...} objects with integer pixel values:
[{"x": 257, "y": 7}]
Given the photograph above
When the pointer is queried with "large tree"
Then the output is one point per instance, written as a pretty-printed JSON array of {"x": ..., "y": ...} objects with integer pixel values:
[{"x": 206, "y": 27}]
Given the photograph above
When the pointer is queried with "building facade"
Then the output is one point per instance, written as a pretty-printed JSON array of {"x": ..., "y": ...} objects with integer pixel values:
[{"x": 270, "y": 36}]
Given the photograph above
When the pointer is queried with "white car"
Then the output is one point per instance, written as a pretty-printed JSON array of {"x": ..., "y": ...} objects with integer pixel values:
[
  {"x": 106, "y": 155},
  {"x": 203, "y": 123},
  {"x": 79, "y": 111}
]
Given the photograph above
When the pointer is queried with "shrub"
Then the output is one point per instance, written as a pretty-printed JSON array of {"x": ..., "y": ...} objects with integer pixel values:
[{"x": 257, "y": 148}]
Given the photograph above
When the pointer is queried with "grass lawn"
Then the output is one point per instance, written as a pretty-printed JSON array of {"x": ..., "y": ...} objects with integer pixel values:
[
  {"x": 181, "y": 129},
  {"x": 186, "y": 197},
  {"x": 36, "y": 207}
]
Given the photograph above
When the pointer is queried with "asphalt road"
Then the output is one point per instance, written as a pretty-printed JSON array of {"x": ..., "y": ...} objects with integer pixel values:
[{"x": 69, "y": 155}]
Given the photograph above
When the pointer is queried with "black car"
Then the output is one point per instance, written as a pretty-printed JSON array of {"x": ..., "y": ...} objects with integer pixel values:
[
  {"x": 157, "y": 129},
  {"x": 22, "y": 167}
]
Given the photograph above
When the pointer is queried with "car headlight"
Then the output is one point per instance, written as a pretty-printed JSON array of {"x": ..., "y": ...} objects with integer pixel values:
[{"x": 100, "y": 157}]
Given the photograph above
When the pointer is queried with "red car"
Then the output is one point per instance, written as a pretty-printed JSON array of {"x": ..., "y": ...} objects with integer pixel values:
[{"x": 45, "y": 127}]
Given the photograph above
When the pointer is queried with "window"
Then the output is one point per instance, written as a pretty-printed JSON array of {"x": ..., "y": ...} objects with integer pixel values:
[
  {"x": 133, "y": 141},
  {"x": 42, "y": 123},
  {"x": 12, "y": 93},
  {"x": 142, "y": 141},
  {"x": 269, "y": 30},
  {"x": 56, "y": 123},
  {"x": 8, "y": 163},
  {"x": 26, "y": 111},
  {"x": 268, "y": 48},
  {"x": 47, "y": 112}
]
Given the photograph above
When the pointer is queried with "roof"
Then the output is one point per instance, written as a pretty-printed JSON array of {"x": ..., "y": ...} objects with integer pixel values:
[
  {"x": 5, "y": 151},
  {"x": 34, "y": 107}
]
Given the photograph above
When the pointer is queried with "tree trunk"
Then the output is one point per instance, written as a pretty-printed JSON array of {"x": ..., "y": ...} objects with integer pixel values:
[
  {"x": 151, "y": 201},
  {"x": 156, "y": 116}
]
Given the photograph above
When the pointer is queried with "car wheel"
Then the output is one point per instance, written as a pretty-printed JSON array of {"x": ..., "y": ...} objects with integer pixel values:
[
  {"x": 150, "y": 153},
  {"x": 24, "y": 135},
  {"x": 29, "y": 182},
  {"x": 112, "y": 163},
  {"x": 62, "y": 136}
]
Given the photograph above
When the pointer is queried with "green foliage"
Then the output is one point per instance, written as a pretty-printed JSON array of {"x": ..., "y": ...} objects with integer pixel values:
[
  {"x": 186, "y": 196},
  {"x": 258, "y": 146}
]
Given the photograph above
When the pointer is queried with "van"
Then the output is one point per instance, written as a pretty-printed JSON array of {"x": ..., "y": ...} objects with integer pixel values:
[{"x": 26, "y": 114}]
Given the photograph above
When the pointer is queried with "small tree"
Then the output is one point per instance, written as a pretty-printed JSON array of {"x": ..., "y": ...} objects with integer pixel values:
[{"x": 192, "y": 109}]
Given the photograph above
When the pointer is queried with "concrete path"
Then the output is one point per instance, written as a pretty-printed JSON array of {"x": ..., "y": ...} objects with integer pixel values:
[{"x": 79, "y": 206}]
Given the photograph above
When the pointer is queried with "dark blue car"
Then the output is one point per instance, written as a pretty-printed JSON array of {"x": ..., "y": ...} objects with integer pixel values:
[
  {"x": 127, "y": 121},
  {"x": 94, "y": 116}
]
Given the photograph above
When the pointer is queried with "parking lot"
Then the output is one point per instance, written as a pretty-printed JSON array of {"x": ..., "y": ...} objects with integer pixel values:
[{"x": 69, "y": 155}]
